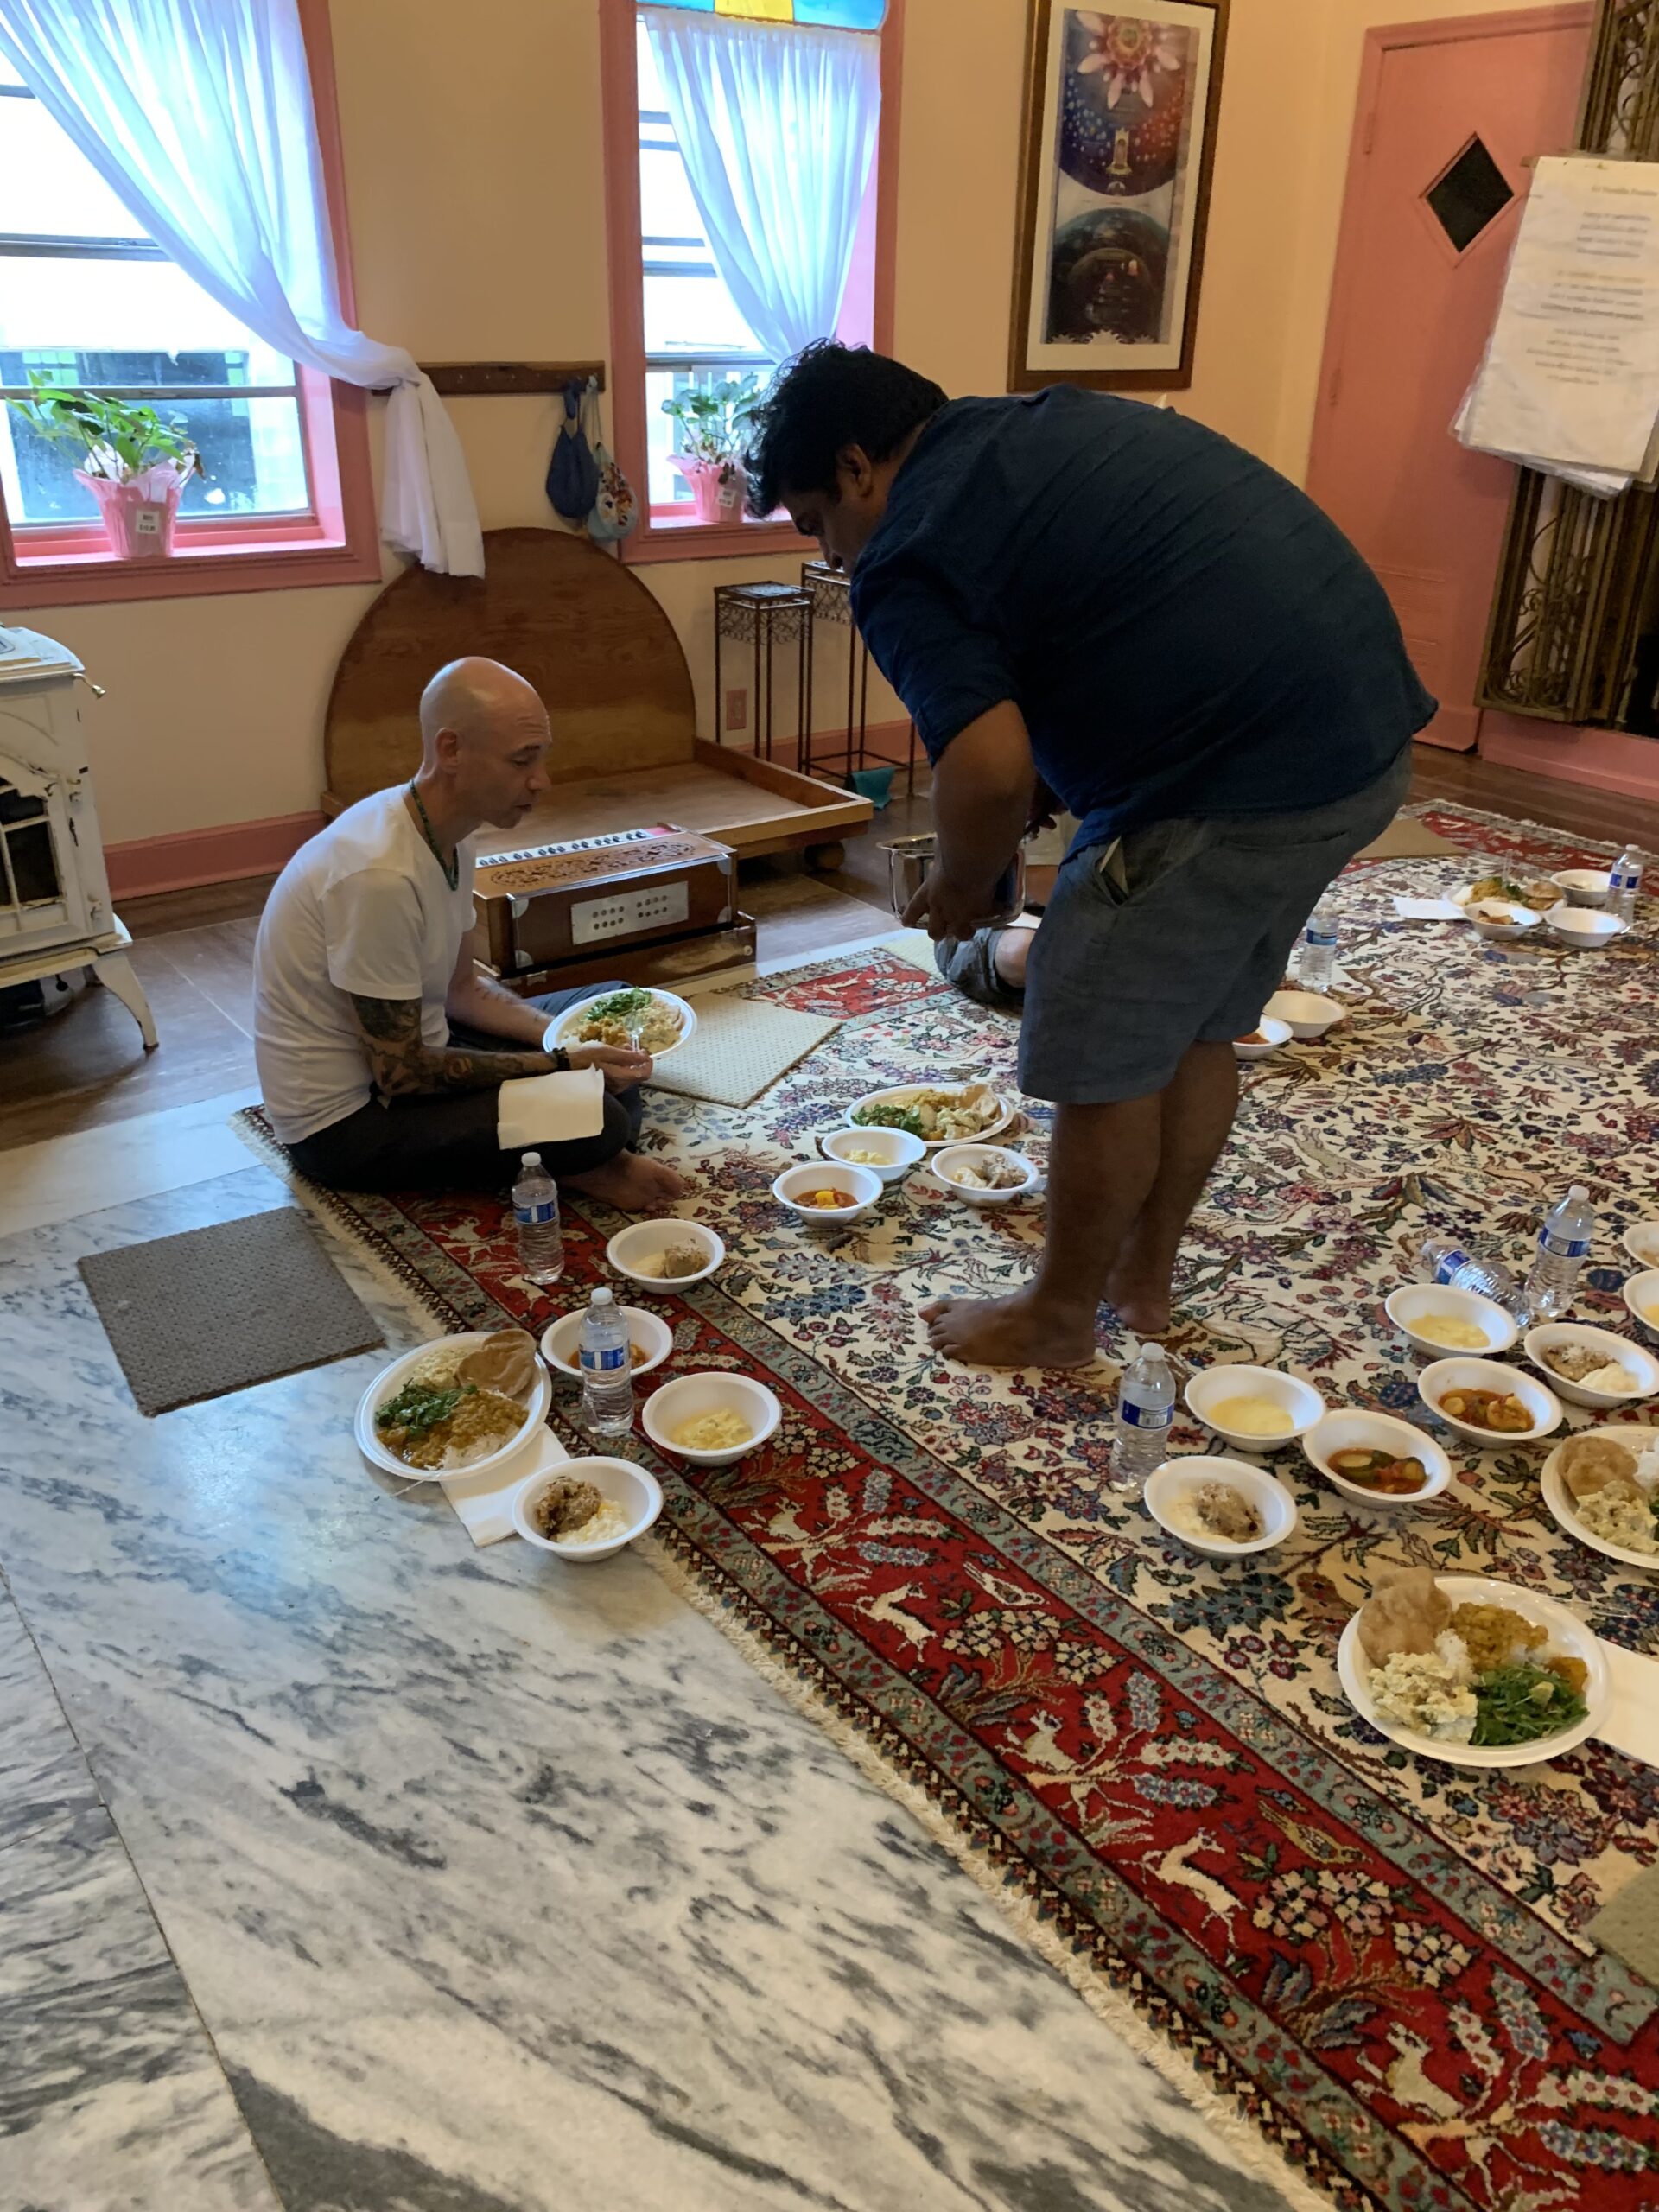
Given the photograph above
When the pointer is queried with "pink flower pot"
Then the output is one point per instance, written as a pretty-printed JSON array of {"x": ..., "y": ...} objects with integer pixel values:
[
  {"x": 717, "y": 487},
  {"x": 137, "y": 520}
]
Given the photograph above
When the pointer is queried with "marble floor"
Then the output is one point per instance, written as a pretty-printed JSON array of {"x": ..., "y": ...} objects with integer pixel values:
[{"x": 346, "y": 1868}]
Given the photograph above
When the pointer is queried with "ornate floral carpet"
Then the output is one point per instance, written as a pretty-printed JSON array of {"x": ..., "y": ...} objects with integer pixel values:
[{"x": 1380, "y": 1961}]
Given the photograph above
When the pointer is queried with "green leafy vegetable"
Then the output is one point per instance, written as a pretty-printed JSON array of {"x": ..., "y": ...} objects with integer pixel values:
[
  {"x": 1519, "y": 1704},
  {"x": 419, "y": 1407},
  {"x": 617, "y": 1006},
  {"x": 887, "y": 1116}
]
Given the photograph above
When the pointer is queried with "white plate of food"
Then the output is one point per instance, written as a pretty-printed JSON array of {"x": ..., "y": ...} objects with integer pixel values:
[
  {"x": 1592, "y": 1367},
  {"x": 1253, "y": 1409},
  {"x": 665, "y": 1022},
  {"x": 1435, "y": 1319},
  {"x": 1470, "y": 1658},
  {"x": 660, "y": 1255},
  {"x": 649, "y": 1339},
  {"x": 1619, "y": 1465},
  {"x": 963, "y": 1113},
  {"x": 587, "y": 1508},
  {"x": 457, "y": 1406},
  {"x": 985, "y": 1175},
  {"x": 1535, "y": 893},
  {"x": 1224, "y": 1508},
  {"x": 1491, "y": 1404},
  {"x": 1376, "y": 1460}
]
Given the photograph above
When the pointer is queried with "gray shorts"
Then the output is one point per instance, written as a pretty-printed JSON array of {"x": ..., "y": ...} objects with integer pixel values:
[{"x": 1177, "y": 935}]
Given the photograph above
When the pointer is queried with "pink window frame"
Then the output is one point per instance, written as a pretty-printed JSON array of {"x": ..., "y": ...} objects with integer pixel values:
[
  {"x": 337, "y": 542},
  {"x": 657, "y": 538}
]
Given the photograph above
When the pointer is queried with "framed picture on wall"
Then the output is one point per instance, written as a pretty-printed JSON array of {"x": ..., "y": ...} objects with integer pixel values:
[{"x": 1118, "y": 137}]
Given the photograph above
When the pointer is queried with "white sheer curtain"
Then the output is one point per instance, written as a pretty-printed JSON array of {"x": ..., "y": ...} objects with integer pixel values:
[
  {"x": 777, "y": 125},
  {"x": 198, "y": 114}
]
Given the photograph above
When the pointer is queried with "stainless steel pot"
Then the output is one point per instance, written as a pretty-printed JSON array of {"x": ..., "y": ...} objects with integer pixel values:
[{"x": 909, "y": 860}]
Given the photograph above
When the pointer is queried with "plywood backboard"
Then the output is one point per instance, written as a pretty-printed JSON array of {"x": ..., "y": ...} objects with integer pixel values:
[{"x": 582, "y": 627}]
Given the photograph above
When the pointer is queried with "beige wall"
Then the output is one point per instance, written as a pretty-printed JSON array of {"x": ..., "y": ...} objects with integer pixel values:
[{"x": 471, "y": 141}]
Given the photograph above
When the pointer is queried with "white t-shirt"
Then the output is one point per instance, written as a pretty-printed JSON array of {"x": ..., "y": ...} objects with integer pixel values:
[{"x": 364, "y": 909}]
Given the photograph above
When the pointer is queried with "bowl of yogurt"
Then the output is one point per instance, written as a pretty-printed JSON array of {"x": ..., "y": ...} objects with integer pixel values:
[
  {"x": 1435, "y": 1320},
  {"x": 1253, "y": 1408}
]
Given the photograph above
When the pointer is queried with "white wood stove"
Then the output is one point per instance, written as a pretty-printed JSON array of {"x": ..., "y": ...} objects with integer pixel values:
[{"x": 55, "y": 914}]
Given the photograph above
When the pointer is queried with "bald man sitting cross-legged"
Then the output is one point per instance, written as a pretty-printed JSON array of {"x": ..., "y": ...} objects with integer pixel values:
[{"x": 381, "y": 1050}]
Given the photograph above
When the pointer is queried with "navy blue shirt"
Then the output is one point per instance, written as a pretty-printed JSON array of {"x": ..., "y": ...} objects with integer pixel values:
[{"x": 1184, "y": 631}]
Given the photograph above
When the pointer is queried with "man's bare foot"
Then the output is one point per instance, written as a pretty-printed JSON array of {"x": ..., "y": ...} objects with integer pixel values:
[
  {"x": 631, "y": 1183},
  {"x": 1144, "y": 1306},
  {"x": 1020, "y": 1331}
]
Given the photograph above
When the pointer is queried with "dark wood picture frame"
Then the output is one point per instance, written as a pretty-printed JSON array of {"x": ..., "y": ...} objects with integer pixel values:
[{"x": 1030, "y": 264}]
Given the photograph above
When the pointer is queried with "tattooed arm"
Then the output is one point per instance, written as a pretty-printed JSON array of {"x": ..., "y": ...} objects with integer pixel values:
[{"x": 404, "y": 1066}]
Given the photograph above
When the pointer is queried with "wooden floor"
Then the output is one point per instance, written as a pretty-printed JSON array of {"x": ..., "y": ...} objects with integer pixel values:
[{"x": 193, "y": 951}]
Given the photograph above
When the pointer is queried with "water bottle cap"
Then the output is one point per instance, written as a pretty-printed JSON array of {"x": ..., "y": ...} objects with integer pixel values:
[
  {"x": 531, "y": 1159},
  {"x": 1577, "y": 1190},
  {"x": 601, "y": 1296}
]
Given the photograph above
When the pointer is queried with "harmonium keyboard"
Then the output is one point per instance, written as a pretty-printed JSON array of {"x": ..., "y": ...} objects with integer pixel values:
[{"x": 573, "y": 906}]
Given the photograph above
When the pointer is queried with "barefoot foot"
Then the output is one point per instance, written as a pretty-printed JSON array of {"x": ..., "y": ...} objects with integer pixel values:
[
  {"x": 1021, "y": 1331},
  {"x": 1142, "y": 1305},
  {"x": 631, "y": 1183}
]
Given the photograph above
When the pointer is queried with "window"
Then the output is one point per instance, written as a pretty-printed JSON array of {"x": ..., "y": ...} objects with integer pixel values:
[
  {"x": 675, "y": 327},
  {"x": 86, "y": 299}
]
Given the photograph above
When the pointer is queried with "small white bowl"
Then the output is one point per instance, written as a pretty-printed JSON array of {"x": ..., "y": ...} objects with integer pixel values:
[
  {"x": 651, "y": 1337},
  {"x": 1446, "y": 1374},
  {"x": 899, "y": 1151},
  {"x": 1641, "y": 1240},
  {"x": 1585, "y": 886},
  {"x": 638, "y": 1492},
  {"x": 392, "y": 1379},
  {"x": 1269, "y": 1497},
  {"x": 1414, "y": 1301},
  {"x": 1359, "y": 1431},
  {"x": 572, "y": 1021},
  {"x": 863, "y": 1183},
  {"x": 644, "y": 1240},
  {"x": 1583, "y": 927},
  {"x": 1642, "y": 1298},
  {"x": 948, "y": 1164},
  {"x": 1275, "y": 1032},
  {"x": 1213, "y": 1386},
  {"x": 1631, "y": 1357},
  {"x": 676, "y": 1404},
  {"x": 1305, "y": 1013},
  {"x": 1516, "y": 920}
]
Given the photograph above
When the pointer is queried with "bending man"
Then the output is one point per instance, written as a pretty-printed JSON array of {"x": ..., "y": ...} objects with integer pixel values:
[
  {"x": 380, "y": 1048},
  {"x": 1200, "y": 668}
]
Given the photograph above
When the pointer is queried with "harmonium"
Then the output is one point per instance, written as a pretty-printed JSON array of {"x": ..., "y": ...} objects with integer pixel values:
[{"x": 658, "y": 905}]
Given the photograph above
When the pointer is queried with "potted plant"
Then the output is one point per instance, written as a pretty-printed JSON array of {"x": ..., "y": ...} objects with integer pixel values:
[
  {"x": 712, "y": 423},
  {"x": 136, "y": 464}
]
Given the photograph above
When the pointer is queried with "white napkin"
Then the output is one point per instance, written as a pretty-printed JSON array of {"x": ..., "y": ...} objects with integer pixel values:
[
  {"x": 1632, "y": 1722},
  {"x": 484, "y": 1502},
  {"x": 553, "y": 1108},
  {"x": 1428, "y": 909}
]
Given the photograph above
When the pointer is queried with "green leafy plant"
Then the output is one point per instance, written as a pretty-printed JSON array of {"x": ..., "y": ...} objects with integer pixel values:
[
  {"x": 115, "y": 438},
  {"x": 713, "y": 420}
]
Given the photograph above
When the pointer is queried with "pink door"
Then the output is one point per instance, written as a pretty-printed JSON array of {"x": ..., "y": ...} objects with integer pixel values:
[{"x": 1449, "y": 115}]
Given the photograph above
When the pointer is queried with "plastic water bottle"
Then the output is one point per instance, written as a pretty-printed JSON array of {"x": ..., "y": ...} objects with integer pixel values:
[
  {"x": 1474, "y": 1265},
  {"x": 1624, "y": 880},
  {"x": 536, "y": 1211},
  {"x": 1563, "y": 1247},
  {"x": 607, "y": 1367},
  {"x": 1317, "y": 959},
  {"x": 1145, "y": 1405}
]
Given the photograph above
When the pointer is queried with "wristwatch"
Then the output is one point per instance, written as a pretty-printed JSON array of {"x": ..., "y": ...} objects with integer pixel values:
[{"x": 556, "y": 1053}]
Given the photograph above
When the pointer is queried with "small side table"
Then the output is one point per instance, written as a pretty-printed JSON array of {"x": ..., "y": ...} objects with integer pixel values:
[
  {"x": 765, "y": 615},
  {"x": 831, "y": 592}
]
